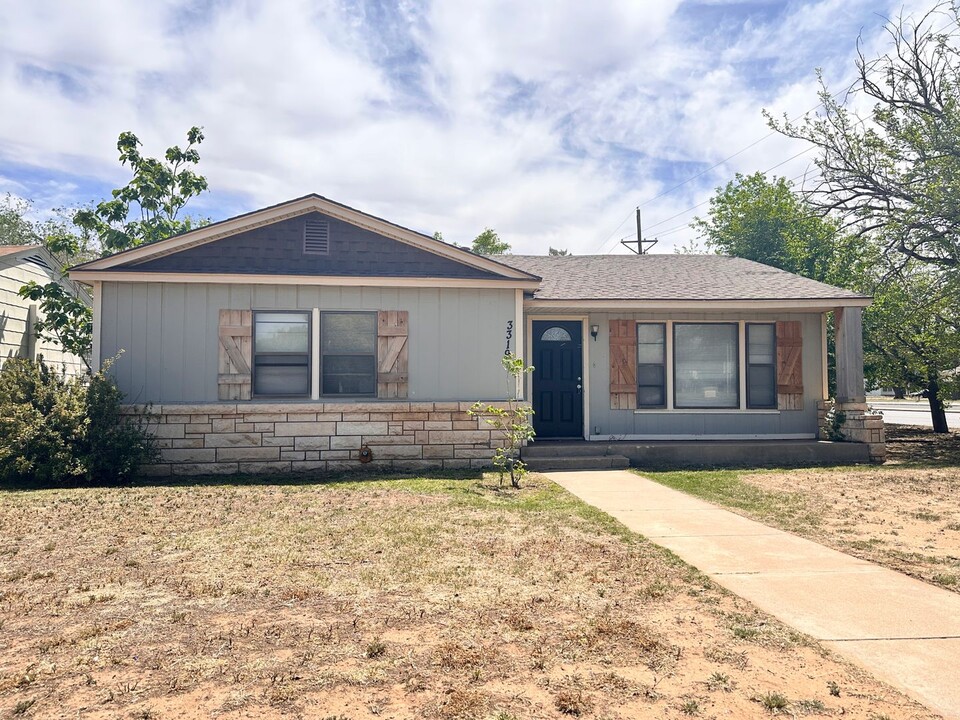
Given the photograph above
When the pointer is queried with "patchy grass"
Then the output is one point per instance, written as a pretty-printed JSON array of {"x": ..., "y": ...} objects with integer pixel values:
[
  {"x": 404, "y": 597},
  {"x": 904, "y": 514}
]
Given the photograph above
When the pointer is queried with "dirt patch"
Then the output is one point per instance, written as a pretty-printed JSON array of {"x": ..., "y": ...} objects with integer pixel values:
[
  {"x": 905, "y": 514},
  {"x": 395, "y": 599}
]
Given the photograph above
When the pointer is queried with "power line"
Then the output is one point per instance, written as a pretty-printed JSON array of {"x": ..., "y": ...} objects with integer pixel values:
[
  {"x": 730, "y": 157},
  {"x": 705, "y": 202}
]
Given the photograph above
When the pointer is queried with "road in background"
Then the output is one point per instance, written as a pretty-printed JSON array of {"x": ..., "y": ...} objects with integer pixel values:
[{"x": 911, "y": 412}]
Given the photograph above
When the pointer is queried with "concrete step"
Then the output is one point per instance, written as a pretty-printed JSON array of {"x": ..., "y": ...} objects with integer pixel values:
[
  {"x": 580, "y": 449},
  {"x": 577, "y": 462}
]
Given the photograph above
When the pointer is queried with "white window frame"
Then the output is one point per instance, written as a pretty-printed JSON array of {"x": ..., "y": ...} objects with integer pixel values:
[{"x": 741, "y": 340}]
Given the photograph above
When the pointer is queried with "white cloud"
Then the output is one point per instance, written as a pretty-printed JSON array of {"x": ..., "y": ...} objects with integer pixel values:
[{"x": 547, "y": 120}]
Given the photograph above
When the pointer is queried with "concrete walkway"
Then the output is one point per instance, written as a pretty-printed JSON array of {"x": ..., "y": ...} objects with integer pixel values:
[{"x": 901, "y": 630}]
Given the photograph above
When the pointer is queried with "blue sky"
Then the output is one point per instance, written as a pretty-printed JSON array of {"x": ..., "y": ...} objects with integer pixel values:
[{"x": 548, "y": 120}]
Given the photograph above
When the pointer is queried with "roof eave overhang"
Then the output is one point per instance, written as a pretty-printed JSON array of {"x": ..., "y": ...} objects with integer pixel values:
[
  {"x": 91, "y": 276},
  {"x": 291, "y": 209},
  {"x": 780, "y": 304}
]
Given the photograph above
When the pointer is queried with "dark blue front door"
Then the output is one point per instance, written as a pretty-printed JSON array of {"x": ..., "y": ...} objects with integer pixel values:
[{"x": 558, "y": 379}]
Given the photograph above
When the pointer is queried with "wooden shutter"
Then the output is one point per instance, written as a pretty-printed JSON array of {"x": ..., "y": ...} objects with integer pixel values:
[
  {"x": 392, "y": 372},
  {"x": 789, "y": 365},
  {"x": 236, "y": 351},
  {"x": 623, "y": 365}
]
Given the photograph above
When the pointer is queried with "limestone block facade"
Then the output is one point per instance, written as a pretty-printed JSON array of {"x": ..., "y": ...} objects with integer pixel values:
[
  {"x": 859, "y": 425},
  {"x": 228, "y": 439}
]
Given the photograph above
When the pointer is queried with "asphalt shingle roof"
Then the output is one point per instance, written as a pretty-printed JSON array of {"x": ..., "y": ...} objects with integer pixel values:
[{"x": 667, "y": 277}]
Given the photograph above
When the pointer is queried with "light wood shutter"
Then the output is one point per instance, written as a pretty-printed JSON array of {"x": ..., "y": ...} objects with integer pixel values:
[
  {"x": 392, "y": 365},
  {"x": 790, "y": 365},
  {"x": 623, "y": 365},
  {"x": 236, "y": 351}
]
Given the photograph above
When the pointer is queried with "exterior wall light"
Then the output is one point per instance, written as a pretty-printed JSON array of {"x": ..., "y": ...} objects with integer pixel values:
[{"x": 594, "y": 331}]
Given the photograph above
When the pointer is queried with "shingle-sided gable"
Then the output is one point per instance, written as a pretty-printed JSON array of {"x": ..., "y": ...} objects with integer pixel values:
[
  {"x": 309, "y": 240},
  {"x": 333, "y": 247}
]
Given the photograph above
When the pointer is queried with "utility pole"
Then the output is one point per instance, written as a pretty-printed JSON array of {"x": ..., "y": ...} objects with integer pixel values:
[{"x": 639, "y": 246}]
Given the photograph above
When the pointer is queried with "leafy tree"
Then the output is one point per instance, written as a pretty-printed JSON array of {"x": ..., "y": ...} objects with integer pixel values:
[
  {"x": 66, "y": 319},
  {"x": 766, "y": 221},
  {"x": 556, "y": 251},
  {"x": 15, "y": 228},
  {"x": 146, "y": 209},
  {"x": 910, "y": 330},
  {"x": 489, "y": 243},
  {"x": 912, "y": 333},
  {"x": 893, "y": 173}
]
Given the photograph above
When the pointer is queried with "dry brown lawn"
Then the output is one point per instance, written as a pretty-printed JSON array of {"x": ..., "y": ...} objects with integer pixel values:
[
  {"x": 904, "y": 514},
  {"x": 407, "y": 598}
]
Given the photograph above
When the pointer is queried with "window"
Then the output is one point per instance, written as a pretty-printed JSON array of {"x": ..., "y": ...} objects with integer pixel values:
[
  {"x": 348, "y": 353},
  {"x": 281, "y": 354},
  {"x": 555, "y": 334},
  {"x": 651, "y": 365},
  {"x": 761, "y": 365},
  {"x": 705, "y": 365}
]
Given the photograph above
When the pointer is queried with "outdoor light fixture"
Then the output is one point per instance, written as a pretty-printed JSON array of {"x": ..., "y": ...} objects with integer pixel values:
[{"x": 594, "y": 331}]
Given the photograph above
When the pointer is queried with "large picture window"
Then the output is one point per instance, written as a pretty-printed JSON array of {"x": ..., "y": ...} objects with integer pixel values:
[
  {"x": 651, "y": 365},
  {"x": 281, "y": 354},
  {"x": 761, "y": 365},
  {"x": 706, "y": 365},
  {"x": 348, "y": 353}
]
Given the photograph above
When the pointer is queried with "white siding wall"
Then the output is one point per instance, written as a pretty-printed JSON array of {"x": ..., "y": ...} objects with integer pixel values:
[
  {"x": 15, "y": 272},
  {"x": 168, "y": 332}
]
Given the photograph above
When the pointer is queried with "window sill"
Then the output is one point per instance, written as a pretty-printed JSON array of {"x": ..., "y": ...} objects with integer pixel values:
[{"x": 710, "y": 411}]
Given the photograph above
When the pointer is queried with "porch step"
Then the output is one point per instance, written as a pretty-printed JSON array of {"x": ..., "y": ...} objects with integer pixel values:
[
  {"x": 566, "y": 449},
  {"x": 542, "y": 463}
]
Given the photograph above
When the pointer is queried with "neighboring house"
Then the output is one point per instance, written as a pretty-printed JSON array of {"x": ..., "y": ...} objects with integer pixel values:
[
  {"x": 291, "y": 337},
  {"x": 19, "y": 264}
]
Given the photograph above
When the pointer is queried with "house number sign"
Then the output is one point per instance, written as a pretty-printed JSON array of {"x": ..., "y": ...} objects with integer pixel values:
[{"x": 509, "y": 336}]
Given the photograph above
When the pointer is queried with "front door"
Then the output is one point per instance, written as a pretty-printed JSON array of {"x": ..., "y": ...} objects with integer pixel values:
[{"x": 558, "y": 378}]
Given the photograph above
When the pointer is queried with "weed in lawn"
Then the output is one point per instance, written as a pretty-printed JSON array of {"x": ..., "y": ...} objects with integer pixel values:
[
  {"x": 21, "y": 707},
  {"x": 376, "y": 648},
  {"x": 772, "y": 701},
  {"x": 573, "y": 701},
  {"x": 723, "y": 654},
  {"x": 720, "y": 681},
  {"x": 690, "y": 707},
  {"x": 463, "y": 704},
  {"x": 454, "y": 656},
  {"x": 810, "y": 707}
]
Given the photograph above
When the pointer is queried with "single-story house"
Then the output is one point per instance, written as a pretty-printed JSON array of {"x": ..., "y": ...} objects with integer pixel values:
[
  {"x": 19, "y": 264},
  {"x": 292, "y": 337}
]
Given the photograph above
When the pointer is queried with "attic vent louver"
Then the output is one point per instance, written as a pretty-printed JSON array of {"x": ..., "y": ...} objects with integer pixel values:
[
  {"x": 316, "y": 237},
  {"x": 37, "y": 260}
]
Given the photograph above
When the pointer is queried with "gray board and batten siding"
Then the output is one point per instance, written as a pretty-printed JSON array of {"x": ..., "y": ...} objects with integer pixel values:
[
  {"x": 696, "y": 423},
  {"x": 278, "y": 249},
  {"x": 169, "y": 334}
]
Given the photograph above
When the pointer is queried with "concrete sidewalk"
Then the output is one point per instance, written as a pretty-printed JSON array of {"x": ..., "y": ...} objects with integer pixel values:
[{"x": 903, "y": 631}]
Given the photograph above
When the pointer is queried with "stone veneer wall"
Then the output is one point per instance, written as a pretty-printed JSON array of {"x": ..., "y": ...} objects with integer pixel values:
[
  {"x": 860, "y": 426},
  {"x": 230, "y": 438}
]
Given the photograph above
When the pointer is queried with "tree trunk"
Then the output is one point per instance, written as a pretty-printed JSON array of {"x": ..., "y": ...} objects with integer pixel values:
[
  {"x": 937, "y": 411},
  {"x": 899, "y": 393}
]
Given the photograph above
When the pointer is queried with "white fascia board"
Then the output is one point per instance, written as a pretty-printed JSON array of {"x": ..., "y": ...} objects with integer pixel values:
[
  {"x": 89, "y": 276},
  {"x": 203, "y": 235},
  {"x": 808, "y": 305}
]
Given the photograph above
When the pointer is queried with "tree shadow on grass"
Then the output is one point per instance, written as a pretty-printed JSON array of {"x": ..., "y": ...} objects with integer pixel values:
[{"x": 918, "y": 447}]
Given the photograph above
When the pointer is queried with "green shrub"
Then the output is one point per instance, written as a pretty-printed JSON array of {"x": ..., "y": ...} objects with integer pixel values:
[{"x": 58, "y": 431}]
